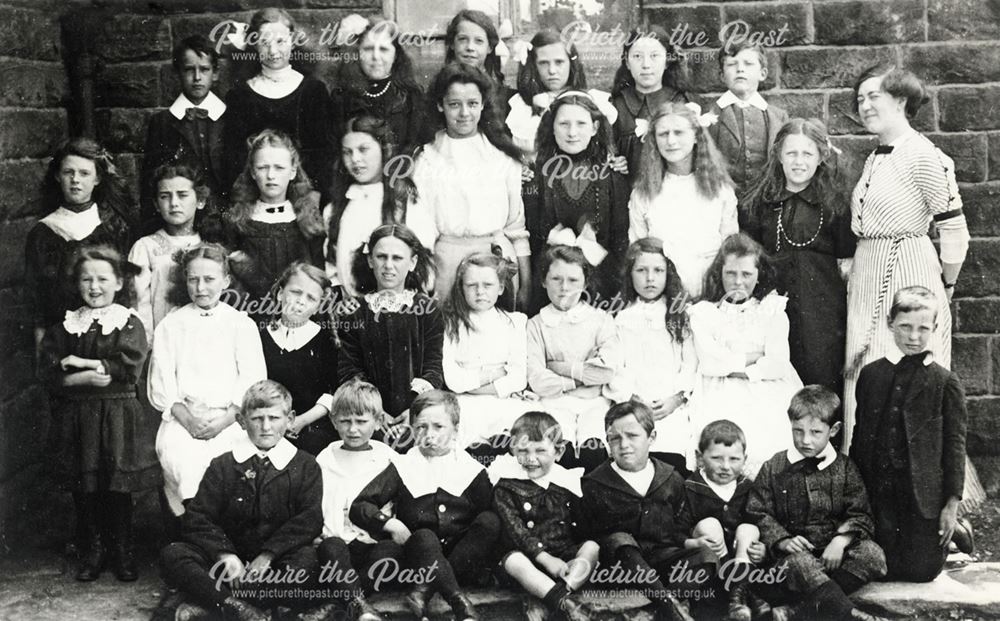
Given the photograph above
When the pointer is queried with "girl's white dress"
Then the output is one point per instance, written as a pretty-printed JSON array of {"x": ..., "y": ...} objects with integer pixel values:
[
  {"x": 724, "y": 334},
  {"x": 656, "y": 367},
  {"x": 206, "y": 359},
  {"x": 154, "y": 254},
  {"x": 498, "y": 339}
]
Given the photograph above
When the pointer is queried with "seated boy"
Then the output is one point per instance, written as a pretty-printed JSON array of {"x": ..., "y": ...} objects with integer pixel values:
[
  {"x": 715, "y": 511},
  {"x": 909, "y": 443},
  {"x": 538, "y": 502},
  {"x": 256, "y": 513},
  {"x": 812, "y": 510},
  {"x": 633, "y": 506}
]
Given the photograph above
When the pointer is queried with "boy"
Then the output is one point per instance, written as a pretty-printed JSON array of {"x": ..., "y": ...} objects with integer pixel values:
[
  {"x": 348, "y": 465},
  {"x": 634, "y": 505},
  {"x": 812, "y": 510},
  {"x": 256, "y": 513},
  {"x": 190, "y": 129},
  {"x": 715, "y": 511},
  {"x": 747, "y": 124},
  {"x": 538, "y": 502},
  {"x": 909, "y": 443}
]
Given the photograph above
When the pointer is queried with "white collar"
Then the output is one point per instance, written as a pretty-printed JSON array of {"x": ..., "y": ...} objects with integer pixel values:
[
  {"x": 724, "y": 492},
  {"x": 275, "y": 84},
  {"x": 452, "y": 473},
  {"x": 380, "y": 455},
  {"x": 639, "y": 481},
  {"x": 291, "y": 339},
  {"x": 895, "y": 354},
  {"x": 365, "y": 192},
  {"x": 212, "y": 104},
  {"x": 286, "y": 213},
  {"x": 220, "y": 308},
  {"x": 110, "y": 318},
  {"x": 553, "y": 317},
  {"x": 73, "y": 225},
  {"x": 729, "y": 98},
  {"x": 829, "y": 455},
  {"x": 389, "y": 301},
  {"x": 279, "y": 455},
  {"x": 507, "y": 467}
]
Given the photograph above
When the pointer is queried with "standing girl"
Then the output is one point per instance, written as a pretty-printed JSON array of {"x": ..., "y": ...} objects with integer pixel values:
[
  {"x": 573, "y": 353},
  {"x": 484, "y": 352},
  {"x": 471, "y": 39},
  {"x": 93, "y": 360},
  {"x": 797, "y": 212},
  {"x": 279, "y": 98},
  {"x": 659, "y": 363},
  {"x": 683, "y": 194},
  {"x": 741, "y": 336},
  {"x": 301, "y": 355},
  {"x": 649, "y": 76},
  {"x": 469, "y": 178},
  {"x": 368, "y": 193},
  {"x": 393, "y": 338},
  {"x": 274, "y": 219},
  {"x": 88, "y": 202},
  {"x": 205, "y": 356}
]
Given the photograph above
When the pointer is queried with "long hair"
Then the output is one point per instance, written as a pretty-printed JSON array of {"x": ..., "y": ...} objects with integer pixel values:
[
  {"x": 673, "y": 73},
  {"x": 769, "y": 186},
  {"x": 739, "y": 245},
  {"x": 308, "y": 270},
  {"x": 456, "y": 310},
  {"x": 492, "y": 62},
  {"x": 490, "y": 124},
  {"x": 245, "y": 191},
  {"x": 708, "y": 165},
  {"x": 111, "y": 193},
  {"x": 355, "y": 81},
  {"x": 601, "y": 144},
  {"x": 364, "y": 277},
  {"x": 207, "y": 221},
  {"x": 123, "y": 270},
  {"x": 529, "y": 83},
  {"x": 177, "y": 295},
  {"x": 675, "y": 318}
]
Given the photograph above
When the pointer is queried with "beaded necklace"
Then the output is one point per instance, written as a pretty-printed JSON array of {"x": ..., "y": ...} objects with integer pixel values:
[
  {"x": 782, "y": 234},
  {"x": 380, "y": 93}
]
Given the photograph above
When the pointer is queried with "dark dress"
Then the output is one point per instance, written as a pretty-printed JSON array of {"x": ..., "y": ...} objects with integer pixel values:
[
  {"x": 632, "y": 105},
  {"x": 304, "y": 114},
  {"x": 404, "y": 111},
  {"x": 104, "y": 438},
  {"x": 805, "y": 258},
  {"x": 308, "y": 373}
]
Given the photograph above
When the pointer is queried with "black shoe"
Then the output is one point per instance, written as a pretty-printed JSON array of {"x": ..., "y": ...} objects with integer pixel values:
[
  {"x": 124, "y": 566},
  {"x": 93, "y": 561},
  {"x": 739, "y": 603},
  {"x": 963, "y": 536},
  {"x": 240, "y": 610},
  {"x": 462, "y": 608},
  {"x": 574, "y": 609}
]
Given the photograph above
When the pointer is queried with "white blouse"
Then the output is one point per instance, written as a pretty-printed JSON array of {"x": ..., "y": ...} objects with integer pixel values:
[
  {"x": 499, "y": 338},
  {"x": 343, "y": 480},
  {"x": 154, "y": 254}
]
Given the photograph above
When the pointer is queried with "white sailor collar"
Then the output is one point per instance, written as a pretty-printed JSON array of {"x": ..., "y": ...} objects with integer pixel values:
[
  {"x": 507, "y": 467},
  {"x": 452, "y": 473},
  {"x": 293, "y": 338},
  {"x": 212, "y": 104},
  {"x": 73, "y": 225},
  {"x": 279, "y": 455}
]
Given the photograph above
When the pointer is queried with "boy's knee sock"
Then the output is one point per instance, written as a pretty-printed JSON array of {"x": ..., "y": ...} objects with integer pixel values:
[
  {"x": 423, "y": 551},
  {"x": 476, "y": 551},
  {"x": 848, "y": 582},
  {"x": 828, "y": 601},
  {"x": 631, "y": 560},
  {"x": 556, "y": 595}
]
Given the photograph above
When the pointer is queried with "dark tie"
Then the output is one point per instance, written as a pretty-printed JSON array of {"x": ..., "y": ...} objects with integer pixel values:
[
  {"x": 260, "y": 466},
  {"x": 810, "y": 465},
  {"x": 883, "y": 149},
  {"x": 278, "y": 209},
  {"x": 913, "y": 361},
  {"x": 194, "y": 112}
]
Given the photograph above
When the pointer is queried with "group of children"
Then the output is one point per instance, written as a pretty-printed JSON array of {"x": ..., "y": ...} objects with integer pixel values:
[{"x": 363, "y": 314}]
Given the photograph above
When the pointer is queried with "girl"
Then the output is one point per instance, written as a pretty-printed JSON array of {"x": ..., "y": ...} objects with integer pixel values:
[
  {"x": 301, "y": 355},
  {"x": 471, "y": 39},
  {"x": 469, "y": 178},
  {"x": 393, "y": 338},
  {"x": 573, "y": 352},
  {"x": 484, "y": 352},
  {"x": 88, "y": 201},
  {"x": 181, "y": 195},
  {"x": 649, "y": 76},
  {"x": 279, "y": 98},
  {"x": 381, "y": 84},
  {"x": 741, "y": 336},
  {"x": 372, "y": 198},
  {"x": 683, "y": 194},
  {"x": 580, "y": 196},
  {"x": 275, "y": 217},
  {"x": 205, "y": 356},
  {"x": 795, "y": 211},
  {"x": 660, "y": 361},
  {"x": 93, "y": 360}
]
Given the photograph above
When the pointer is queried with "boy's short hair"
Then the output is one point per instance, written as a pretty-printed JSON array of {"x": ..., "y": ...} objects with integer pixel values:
[
  {"x": 641, "y": 412},
  {"x": 356, "y": 396},
  {"x": 915, "y": 298},
  {"x": 432, "y": 398},
  {"x": 536, "y": 427},
  {"x": 264, "y": 394},
  {"x": 200, "y": 45},
  {"x": 733, "y": 48},
  {"x": 815, "y": 401},
  {"x": 722, "y": 431}
]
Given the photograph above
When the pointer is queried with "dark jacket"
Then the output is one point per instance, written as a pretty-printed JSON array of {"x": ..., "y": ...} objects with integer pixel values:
[
  {"x": 536, "y": 519},
  {"x": 726, "y": 136},
  {"x": 703, "y": 502},
  {"x": 935, "y": 417}
]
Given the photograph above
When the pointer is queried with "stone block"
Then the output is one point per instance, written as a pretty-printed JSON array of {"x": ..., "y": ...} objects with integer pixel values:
[
  {"x": 32, "y": 84},
  {"x": 829, "y": 67},
  {"x": 970, "y": 20},
  {"x": 31, "y": 133},
  {"x": 123, "y": 129},
  {"x": 984, "y": 426},
  {"x": 128, "y": 37},
  {"x": 24, "y": 425},
  {"x": 968, "y": 150},
  {"x": 773, "y": 24},
  {"x": 20, "y": 183},
  {"x": 28, "y": 33},
  {"x": 12, "y": 234},
  {"x": 994, "y": 155},
  {"x": 806, "y": 105},
  {"x": 854, "y": 151},
  {"x": 601, "y": 60},
  {"x": 970, "y": 358},
  {"x": 981, "y": 202},
  {"x": 980, "y": 315},
  {"x": 988, "y": 468},
  {"x": 128, "y": 85},
  {"x": 965, "y": 108},
  {"x": 954, "y": 63},
  {"x": 864, "y": 22},
  {"x": 688, "y": 26},
  {"x": 969, "y": 592}
]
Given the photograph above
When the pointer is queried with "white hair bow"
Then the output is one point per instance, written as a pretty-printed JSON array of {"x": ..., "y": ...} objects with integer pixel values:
[
  {"x": 586, "y": 241},
  {"x": 238, "y": 37},
  {"x": 641, "y": 127},
  {"x": 704, "y": 120},
  {"x": 520, "y": 50},
  {"x": 350, "y": 28},
  {"x": 506, "y": 30}
]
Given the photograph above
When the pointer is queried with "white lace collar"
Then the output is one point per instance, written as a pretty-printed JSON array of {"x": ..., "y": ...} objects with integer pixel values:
[
  {"x": 215, "y": 106},
  {"x": 506, "y": 467},
  {"x": 73, "y": 225},
  {"x": 389, "y": 301},
  {"x": 275, "y": 84},
  {"x": 553, "y": 317},
  {"x": 291, "y": 339},
  {"x": 279, "y": 455},
  {"x": 110, "y": 318}
]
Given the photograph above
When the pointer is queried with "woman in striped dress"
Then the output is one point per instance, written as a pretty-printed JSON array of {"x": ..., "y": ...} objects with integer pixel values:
[{"x": 906, "y": 182}]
